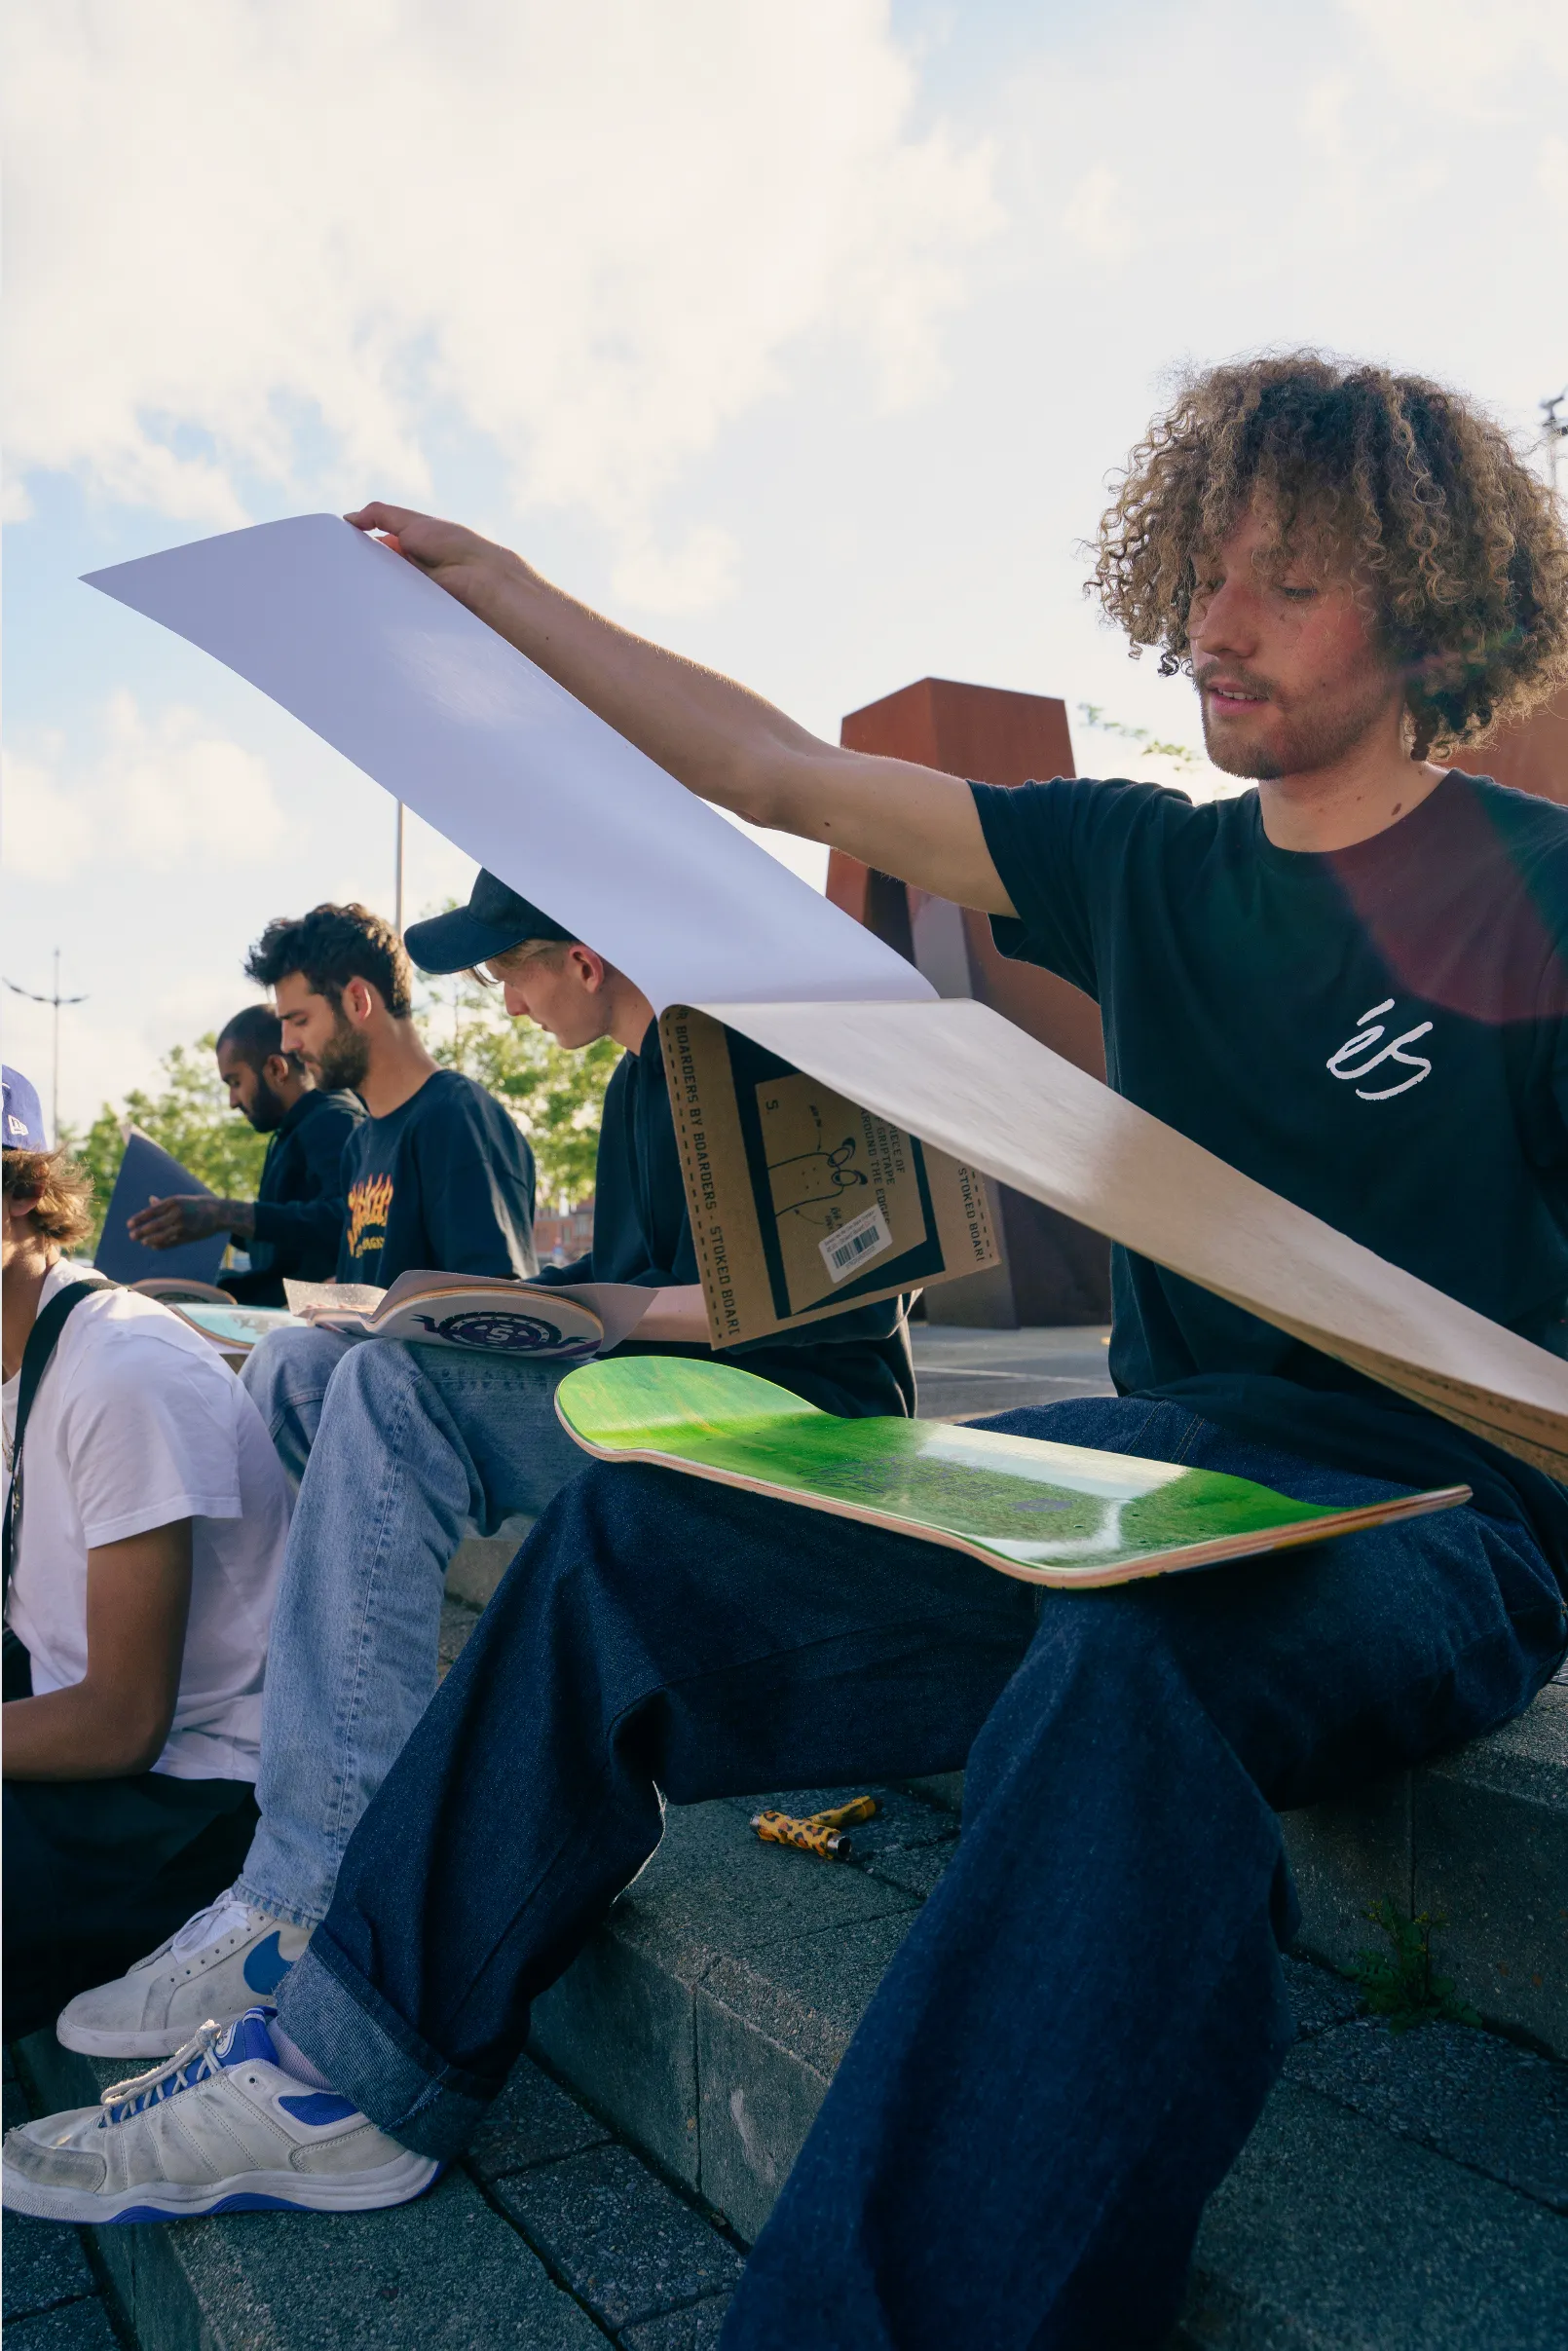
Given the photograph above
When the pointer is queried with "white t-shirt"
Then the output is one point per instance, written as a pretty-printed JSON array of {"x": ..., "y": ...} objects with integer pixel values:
[{"x": 138, "y": 1422}]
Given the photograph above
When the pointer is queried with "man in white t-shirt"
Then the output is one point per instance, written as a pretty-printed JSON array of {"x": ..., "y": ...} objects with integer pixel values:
[{"x": 142, "y": 1561}]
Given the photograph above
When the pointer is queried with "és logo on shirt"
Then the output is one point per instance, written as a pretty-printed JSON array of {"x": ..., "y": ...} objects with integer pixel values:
[{"x": 1366, "y": 1052}]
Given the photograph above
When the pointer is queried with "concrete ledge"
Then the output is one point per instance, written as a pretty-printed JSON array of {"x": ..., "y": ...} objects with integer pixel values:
[{"x": 1479, "y": 1838}]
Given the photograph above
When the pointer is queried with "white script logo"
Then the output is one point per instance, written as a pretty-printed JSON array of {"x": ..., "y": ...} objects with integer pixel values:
[{"x": 1368, "y": 1041}]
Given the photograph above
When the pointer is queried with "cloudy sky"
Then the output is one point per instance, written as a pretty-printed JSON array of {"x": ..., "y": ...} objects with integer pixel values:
[{"x": 804, "y": 338}]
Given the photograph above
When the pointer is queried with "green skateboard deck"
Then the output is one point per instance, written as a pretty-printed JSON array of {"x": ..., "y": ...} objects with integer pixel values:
[{"x": 1048, "y": 1514}]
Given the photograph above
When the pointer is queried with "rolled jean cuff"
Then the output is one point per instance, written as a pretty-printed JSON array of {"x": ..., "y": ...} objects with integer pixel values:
[{"x": 368, "y": 2054}]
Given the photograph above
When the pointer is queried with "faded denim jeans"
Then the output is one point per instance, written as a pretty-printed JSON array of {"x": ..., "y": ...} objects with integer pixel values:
[{"x": 399, "y": 1452}]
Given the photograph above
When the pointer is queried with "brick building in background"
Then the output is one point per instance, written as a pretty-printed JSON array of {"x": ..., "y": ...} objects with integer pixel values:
[{"x": 1051, "y": 1270}]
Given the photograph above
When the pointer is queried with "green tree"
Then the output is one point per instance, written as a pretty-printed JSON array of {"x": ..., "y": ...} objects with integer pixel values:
[
  {"x": 189, "y": 1117},
  {"x": 556, "y": 1097}
]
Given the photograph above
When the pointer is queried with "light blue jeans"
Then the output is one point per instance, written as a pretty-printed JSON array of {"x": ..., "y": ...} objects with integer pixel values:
[{"x": 399, "y": 1452}]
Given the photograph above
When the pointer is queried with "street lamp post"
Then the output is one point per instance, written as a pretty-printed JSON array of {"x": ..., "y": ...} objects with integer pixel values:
[
  {"x": 397, "y": 874},
  {"x": 55, "y": 1001}
]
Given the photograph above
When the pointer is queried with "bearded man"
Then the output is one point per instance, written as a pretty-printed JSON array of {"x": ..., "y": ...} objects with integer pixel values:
[{"x": 1350, "y": 983}]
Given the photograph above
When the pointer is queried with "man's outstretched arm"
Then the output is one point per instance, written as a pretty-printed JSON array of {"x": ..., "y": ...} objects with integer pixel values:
[{"x": 720, "y": 741}]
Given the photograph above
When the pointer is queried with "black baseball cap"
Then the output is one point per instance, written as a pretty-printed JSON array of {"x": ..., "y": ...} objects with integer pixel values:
[{"x": 494, "y": 920}]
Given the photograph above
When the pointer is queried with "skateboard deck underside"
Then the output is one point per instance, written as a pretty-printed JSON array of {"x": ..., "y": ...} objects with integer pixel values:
[{"x": 1047, "y": 1513}]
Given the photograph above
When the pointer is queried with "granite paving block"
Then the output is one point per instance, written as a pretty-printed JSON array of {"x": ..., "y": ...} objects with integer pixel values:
[
  {"x": 44, "y": 2264},
  {"x": 694, "y": 2329},
  {"x": 531, "y": 2122},
  {"x": 623, "y": 2241},
  {"x": 444, "y": 2274},
  {"x": 902, "y": 1821},
  {"x": 1319, "y": 1997},
  {"x": 1469, "y": 2095},
  {"x": 77, "y": 2327},
  {"x": 915, "y": 1871},
  {"x": 621, "y": 2025},
  {"x": 1345, "y": 1858},
  {"x": 944, "y": 1789},
  {"x": 770, "y": 2038},
  {"x": 1491, "y": 1856},
  {"x": 714, "y": 1889},
  {"x": 1330, "y": 2235}
]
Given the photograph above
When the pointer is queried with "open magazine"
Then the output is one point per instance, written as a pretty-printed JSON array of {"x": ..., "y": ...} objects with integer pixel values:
[{"x": 477, "y": 1312}]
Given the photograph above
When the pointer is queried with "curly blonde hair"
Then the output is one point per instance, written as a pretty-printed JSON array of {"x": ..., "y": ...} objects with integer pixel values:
[
  {"x": 1459, "y": 547},
  {"x": 64, "y": 1210}
]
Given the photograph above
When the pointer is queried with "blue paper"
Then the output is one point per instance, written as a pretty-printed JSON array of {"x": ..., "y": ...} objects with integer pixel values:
[{"x": 146, "y": 1172}]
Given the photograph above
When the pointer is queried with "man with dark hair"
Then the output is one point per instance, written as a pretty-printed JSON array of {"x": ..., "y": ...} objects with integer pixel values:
[
  {"x": 294, "y": 1225},
  {"x": 437, "y": 1175},
  {"x": 412, "y": 1446},
  {"x": 1351, "y": 983}
]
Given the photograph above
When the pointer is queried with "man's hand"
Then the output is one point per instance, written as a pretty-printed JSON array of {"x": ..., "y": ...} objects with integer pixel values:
[
  {"x": 456, "y": 558},
  {"x": 720, "y": 742},
  {"x": 168, "y": 1223}
]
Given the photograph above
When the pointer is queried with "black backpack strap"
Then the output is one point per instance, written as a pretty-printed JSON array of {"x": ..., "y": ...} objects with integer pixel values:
[{"x": 35, "y": 1359}]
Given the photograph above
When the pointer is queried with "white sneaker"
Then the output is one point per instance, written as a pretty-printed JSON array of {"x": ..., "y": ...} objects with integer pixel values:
[
  {"x": 219, "y": 2128},
  {"x": 218, "y": 1966}
]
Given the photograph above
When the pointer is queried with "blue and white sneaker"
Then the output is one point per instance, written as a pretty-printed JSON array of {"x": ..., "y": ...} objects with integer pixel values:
[
  {"x": 220, "y": 1963},
  {"x": 220, "y": 2128}
]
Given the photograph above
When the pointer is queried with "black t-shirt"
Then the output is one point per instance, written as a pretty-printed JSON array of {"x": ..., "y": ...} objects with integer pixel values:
[
  {"x": 855, "y": 1364},
  {"x": 1379, "y": 1033},
  {"x": 446, "y": 1181}
]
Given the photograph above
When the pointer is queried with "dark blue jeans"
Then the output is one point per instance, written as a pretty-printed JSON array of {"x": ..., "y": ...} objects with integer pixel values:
[{"x": 1084, "y": 2020}]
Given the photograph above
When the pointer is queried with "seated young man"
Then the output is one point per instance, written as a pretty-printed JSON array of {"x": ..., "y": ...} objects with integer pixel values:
[
  {"x": 415, "y": 1445},
  {"x": 1080, "y": 2029},
  {"x": 437, "y": 1175},
  {"x": 145, "y": 1515},
  {"x": 294, "y": 1228}
]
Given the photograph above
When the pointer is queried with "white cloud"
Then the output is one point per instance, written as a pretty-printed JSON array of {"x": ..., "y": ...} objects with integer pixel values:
[
  {"x": 1095, "y": 217},
  {"x": 155, "y": 794},
  {"x": 261, "y": 231}
]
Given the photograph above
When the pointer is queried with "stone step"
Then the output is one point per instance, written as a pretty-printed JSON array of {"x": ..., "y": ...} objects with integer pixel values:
[
  {"x": 549, "y": 2237},
  {"x": 1478, "y": 1839},
  {"x": 1400, "y": 2189}
]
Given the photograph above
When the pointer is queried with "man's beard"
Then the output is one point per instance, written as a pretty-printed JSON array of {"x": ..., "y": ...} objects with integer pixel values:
[
  {"x": 267, "y": 1109},
  {"x": 344, "y": 1058},
  {"x": 1308, "y": 741}
]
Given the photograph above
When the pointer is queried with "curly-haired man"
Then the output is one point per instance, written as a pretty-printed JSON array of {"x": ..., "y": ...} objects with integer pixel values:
[{"x": 1350, "y": 983}]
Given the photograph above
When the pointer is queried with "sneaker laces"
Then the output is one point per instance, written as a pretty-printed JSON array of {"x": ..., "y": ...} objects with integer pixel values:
[
  {"x": 220, "y": 1918},
  {"x": 204, "y": 2054}
]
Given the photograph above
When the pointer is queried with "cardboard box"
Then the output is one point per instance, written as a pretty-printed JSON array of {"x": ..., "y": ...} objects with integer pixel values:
[{"x": 801, "y": 1203}]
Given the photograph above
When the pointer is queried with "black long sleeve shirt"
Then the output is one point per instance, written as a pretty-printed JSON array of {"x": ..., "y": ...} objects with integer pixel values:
[
  {"x": 446, "y": 1181},
  {"x": 300, "y": 1207}
]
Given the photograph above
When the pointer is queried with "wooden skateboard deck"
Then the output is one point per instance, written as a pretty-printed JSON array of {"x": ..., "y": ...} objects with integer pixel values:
[{"x": 1047, "y": 1513}]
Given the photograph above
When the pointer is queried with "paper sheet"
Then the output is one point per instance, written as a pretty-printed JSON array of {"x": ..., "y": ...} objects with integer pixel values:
[{"x": 402, "y": 679}]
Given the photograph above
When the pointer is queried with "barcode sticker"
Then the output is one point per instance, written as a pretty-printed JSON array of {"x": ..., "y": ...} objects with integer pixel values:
[{"x": 864, "y": 1237}]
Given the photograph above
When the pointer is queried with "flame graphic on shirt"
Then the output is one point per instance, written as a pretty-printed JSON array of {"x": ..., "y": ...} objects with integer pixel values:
[{"x": 369, "y": 1207}]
